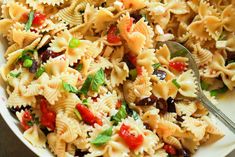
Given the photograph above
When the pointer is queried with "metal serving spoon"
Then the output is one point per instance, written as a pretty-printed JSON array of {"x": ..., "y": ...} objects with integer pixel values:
[{"x": 176, "y": 47}]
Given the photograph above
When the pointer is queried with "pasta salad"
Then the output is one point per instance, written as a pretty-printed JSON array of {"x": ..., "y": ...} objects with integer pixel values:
[{"x": 88, "y": 77}]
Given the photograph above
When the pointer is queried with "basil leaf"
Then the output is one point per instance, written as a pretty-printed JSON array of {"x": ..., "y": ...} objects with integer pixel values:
[
  {"x": 204, "y": 85},
  {"x": 176, "y": 83},
  {"x": 121, "y": 114},
  {"x": 103, "y": 137},
  {"x": 98, "y": 80},
  {"x": 15, "y": 74},
  {"x": 30, "y": 123},
  {"x": 85, "y": 102},
  {"x": 30, "y": 21},
  {"x": 79, "y": 67},
  {"x": 86, "y": 85},
  {"x": 180, "y": 53},
  {"x": 69, "y": 88}
]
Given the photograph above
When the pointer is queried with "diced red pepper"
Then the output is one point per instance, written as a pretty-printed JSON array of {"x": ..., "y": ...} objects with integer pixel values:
[
  {"x": 88, "y": 116},
  {"x": 48, "y": 117},
  {"x": 130, "y": 24},
  {"x": 113, "y": 36},
  {"x": 179, "y": 66},
  {"x": 131, "y": 140},
  {"x": 169, "y": 149},
  {"x": 24, "y": 18},
  {"x": 39, "y": 19},
  {"x": 139, "y": 70},
  {"x": 27, "y": 117},
  {"x": 118, "y": 104}
]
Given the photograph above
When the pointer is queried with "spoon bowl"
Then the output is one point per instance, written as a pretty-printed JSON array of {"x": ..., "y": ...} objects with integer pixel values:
[{"x": 175, "y": 49}]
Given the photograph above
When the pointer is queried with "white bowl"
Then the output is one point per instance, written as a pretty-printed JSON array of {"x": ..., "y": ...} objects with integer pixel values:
[{"x": 218, "y": 149}]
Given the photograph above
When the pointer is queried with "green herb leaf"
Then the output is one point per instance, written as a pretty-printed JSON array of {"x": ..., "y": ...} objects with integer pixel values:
[
  {"x": 79, "y": 67},
  {"x": 222, "y": 90},
  {"x": 39, "y": 72},
  {"x": 69, "y": 88},
  {"x": 204, "y": 85},
  {"x": 121, "y": 114},
  {"x": 133, "y": 74},
  {"x": 103, "y": 137},
  {"x": 156, "y": 66},
  {"x": 174, "y": 81},
  {"x": 86, "y": 85},
  {"x": 30, "y": 21},
  {"x": 15, "y": 74},
  {"x": 30, "y": 123},
  {"x": 98, "y": 80},
  {"x": 180, "y": 53},
  {"x": 76, "y": 112},
  {"x": 222, "y": 36},
  {"x": 85, "y": 102}
]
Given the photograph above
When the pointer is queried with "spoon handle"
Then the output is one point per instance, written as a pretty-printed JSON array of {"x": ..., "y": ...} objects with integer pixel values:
[{"x": 217, "y": 112}]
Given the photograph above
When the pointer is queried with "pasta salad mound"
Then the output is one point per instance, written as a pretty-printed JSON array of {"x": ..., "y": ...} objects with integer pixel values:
[{"x": 88, "y": 77}]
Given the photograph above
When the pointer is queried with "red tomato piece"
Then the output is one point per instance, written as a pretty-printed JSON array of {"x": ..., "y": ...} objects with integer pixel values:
[
  {"x": 113, "y": 36},
  {"x": 179, "y": 66},
  {"x": 131, "y": 140},
  {"x": 130, "y": 25},
  {"x": 139, "y": 70},
  {"x": 27, "y": 117},
  {"x": 119, "y": 104},
  {"x": 169, "y": 149},
  {"x": 24, "y": 18},
  {"x": 88, "y": 116},
  {"x": 48, "y": 117},
  {"x": 39, "y": 19}
]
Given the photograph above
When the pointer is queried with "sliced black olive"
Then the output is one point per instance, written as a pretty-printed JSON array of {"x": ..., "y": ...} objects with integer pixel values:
[
  {"x": 171, "y": 105},
  {"x": 183, "y": 153},
  {"x": 136, "y": 15},
  {"x": 147, "y": 101},
  {"x": 47, "y": 54},
  {"x": 79, "y": 153},
  {"x": 160, "y": 74},
  {"x": 179, "y": 118},
  {"x": 129, "y": 64},
  {"x": 162, "y": 106}
]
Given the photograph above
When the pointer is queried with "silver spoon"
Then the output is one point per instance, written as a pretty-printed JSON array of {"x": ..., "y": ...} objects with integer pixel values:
[{"x": 176, "y": 47}]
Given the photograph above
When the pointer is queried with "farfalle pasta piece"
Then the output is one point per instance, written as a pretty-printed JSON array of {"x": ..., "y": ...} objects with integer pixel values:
[
  {"x": 166, "y": 128},
  {"x": 183, "y": 108},
  {"x": 14, "y": 10},
  {"x": 56, "y": 66},
  {"x": 56, "y": 144},
  {"x": 228, "y": 17},
  {"x": 227, "y": 72},
  {"x": 197, "y": 29},
  {"x": 205, "y": 9},
  {"x": 190, "y": 144},
  {"x": 35, "y": 136},
  {"x": 67, "y": 104},
  {"x": 211, "y": 127},
  {"x": 71, "y": 14},
  {"x": 164, "y": 89},
  {"x": 228, "y": 44},
  {"x": 134, "y": 4},
  {"x": 135, "y": 40},
  {"x": 67, "y": 128},
  {"x": 177, "y": 7},
  {"x": 195, "y": 126},
  {"x": 187, "y": 83},
  {"x": 173, "y": 141},
  {"x": 120, "y": 69},
  {"x": 17, "y": 99},
  {"x": 201, "y": 55},
  {"x": 52, "y": 2},
  {"x": 100, "y": 62},
  {"x": 214, "y": 26},
  {"x": 61, "y": 43},
  {"x": 128, "y": 92},
  {"x": 105, "y": 103},
  {"x": 146, "y": 59},
  {"x": 142, "y": 85}
]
